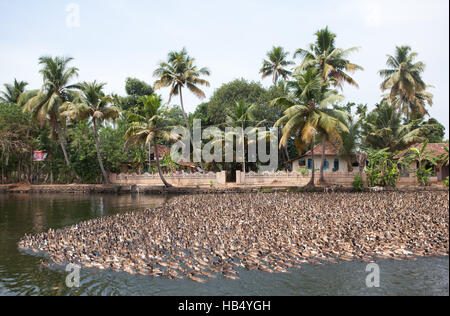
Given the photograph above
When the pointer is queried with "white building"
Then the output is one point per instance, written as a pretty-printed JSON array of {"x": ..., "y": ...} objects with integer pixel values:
[{"x": 333, "y": 162}]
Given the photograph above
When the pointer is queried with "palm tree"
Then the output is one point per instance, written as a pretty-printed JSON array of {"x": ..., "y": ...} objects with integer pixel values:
[
  {"x": 242, "y": 115},
  {"x": 351, "y": 141},
  {"x": 383, "y": 128},
  {"x": 332, "y": 64},
  {"x": 181, "y": 72},
  {"x": 46, "y": 105},
  {"x": 13, "y": 91},
  {"x": 403, "y": 79},
  {"x": 306, "y": 115},
  {"x": 92, "y": 104},
  {"x": 331, "y": 61},
  {"x": 276, "y": 65},
  {"x": 415, "y": 108},
  {"x": 149, "y": 125}
]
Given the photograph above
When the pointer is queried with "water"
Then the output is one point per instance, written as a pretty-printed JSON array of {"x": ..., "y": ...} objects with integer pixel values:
[{"x": 22, "y": 274}]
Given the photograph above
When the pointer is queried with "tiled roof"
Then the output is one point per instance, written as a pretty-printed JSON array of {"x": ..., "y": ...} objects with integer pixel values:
[
  {"x": 330, "y": 150},
  {"x": 438, "y": 149},
  {"x": 162, "y": 150}
]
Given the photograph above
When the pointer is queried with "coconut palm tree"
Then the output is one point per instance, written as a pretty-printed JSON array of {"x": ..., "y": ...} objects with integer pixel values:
[
  {"x": 92, "y": 104},
  {"x": 13, "y": 91},
  {"x": 178, "y": 72},
  {"x": 242, "y": 115},
  {"x": 276, "y": 65},
  {"x": 383, "y": 128},
  {"x": 351, "y": 141},
  {"x": 149, "y": 125},
  {"x": 46, "y": 105},
  {"x": 331, "y": 61},
  {"x": 415, "y": 108},
  {"x": 306, "y": 115},
  {"x": 403, "y": 77}
]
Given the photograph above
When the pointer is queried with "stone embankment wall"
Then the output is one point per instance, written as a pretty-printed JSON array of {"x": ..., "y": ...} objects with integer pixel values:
[
  {"x": 248, "y": 179},
  {"x": 180, "y": 180},
  {"x": 292, "y": 178}
]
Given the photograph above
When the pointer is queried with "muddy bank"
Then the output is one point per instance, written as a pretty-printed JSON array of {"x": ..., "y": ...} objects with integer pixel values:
[
  {"x": 199, "y": 236},
  {"x": 145, "y": 189}
]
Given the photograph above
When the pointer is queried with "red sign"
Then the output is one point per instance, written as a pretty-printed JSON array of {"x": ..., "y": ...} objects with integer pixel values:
[{"x": 39, "y": 156}]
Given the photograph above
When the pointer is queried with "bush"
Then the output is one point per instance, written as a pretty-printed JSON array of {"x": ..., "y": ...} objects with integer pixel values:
[
  {"x": 358, "y": 183},
  {"x": 303, "y": 171},
  {"x": 446, "y": 182},
  {"x": 382, "y": 170},
  {"x": 423, "y": 175}
]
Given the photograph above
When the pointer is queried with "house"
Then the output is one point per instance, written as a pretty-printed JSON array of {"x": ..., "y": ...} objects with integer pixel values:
[
  {"x": 333, "y": 162},
  {"x": 162, "y": 151},
  {"x": 438, "y": 150}
]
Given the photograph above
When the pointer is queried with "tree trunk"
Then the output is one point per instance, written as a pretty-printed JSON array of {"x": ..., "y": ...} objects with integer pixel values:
[
  {"x": 313, "y": 174},
  {"x": 322, "y": 166},
  {"x": 99, "y": 154},
  {"x": 243, "y": 149},
  {"x": 159, "y": 166},
  {"x": 63, "y": 147},
  {"x": 189, "y": 128}
]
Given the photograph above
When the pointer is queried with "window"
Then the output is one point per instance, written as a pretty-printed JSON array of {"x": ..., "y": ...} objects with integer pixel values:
[
  {"x": 336, "y": 165},
  {"x": 310, "y": 164},
  {"x": 327, "y": 165}
]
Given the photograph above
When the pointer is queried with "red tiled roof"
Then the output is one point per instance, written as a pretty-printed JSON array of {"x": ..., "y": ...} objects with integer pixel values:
[
  {"x": 162, "y": 150},
  {"x": 187, "y": 164},
  {"x": 330, "y": 150},
  {"x": 438, "y": 149}
]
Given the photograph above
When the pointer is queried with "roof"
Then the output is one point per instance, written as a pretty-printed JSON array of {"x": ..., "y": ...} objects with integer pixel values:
[
  {"x": 330, "y": 150},
  {"x": 438, "y": 149},
  {"x": 187, "y": 164},
  {"x": 162, "y": 150}
]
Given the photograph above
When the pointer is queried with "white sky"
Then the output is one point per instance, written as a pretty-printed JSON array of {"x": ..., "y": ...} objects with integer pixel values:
[{"x": 127, "y": 38}]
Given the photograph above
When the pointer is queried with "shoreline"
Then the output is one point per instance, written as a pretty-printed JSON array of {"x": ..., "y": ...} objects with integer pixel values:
[{"x": 148, "y": 189}]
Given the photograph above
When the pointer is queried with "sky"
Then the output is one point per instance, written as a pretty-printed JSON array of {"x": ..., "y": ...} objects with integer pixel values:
[{"x": 115, "y": 39}]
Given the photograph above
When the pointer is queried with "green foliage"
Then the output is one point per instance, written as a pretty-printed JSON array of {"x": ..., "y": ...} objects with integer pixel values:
[
  {"x": 446, "y": 182},
  {"x": 425, "y": 161},
  {"x": 382, "y": 170},
  {"x": 403, "y": 80},
  {"x": 358, "y": 183},
  {"x": 277, "y": 65},
  {"x": 383, "y": 128},
  {"x": 433, "y": 130},
  {"x": 135, "y": 89},
  {"x": 303, "y": 171},
  {"x": 224, "y": 100}
]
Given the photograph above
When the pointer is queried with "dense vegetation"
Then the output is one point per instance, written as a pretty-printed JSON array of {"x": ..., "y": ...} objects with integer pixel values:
[{"x": 88, "y": 134}]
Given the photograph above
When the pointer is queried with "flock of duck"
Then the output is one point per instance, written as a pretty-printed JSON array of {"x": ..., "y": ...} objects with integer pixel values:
[{"x": 203, "y": 236}]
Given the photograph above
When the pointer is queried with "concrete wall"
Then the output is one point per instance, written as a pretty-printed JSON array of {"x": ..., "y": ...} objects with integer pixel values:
[
  {"x": 184, "y": 179},
  {"x": 251, "y": 179},
  {"x": 292, "y": 178}
]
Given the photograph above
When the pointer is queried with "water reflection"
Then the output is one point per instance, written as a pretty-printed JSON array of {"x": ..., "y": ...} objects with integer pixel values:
[{"x": 22, "y": 274}]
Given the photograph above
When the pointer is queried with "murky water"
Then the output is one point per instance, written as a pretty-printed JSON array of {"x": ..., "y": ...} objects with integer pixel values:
[{"x": 22, "y": 274}]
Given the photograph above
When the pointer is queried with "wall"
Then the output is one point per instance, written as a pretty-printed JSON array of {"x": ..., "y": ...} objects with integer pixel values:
[
  {"x": 184, "y": 179},
  {"x": 293, "y": 178}
]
